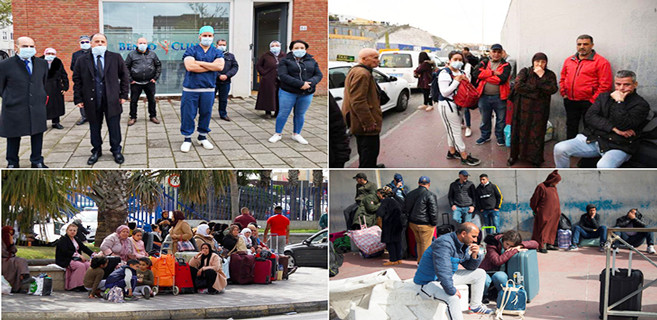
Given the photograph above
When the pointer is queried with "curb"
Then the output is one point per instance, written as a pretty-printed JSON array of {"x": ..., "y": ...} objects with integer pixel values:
[{"x": 205, "y": 313}]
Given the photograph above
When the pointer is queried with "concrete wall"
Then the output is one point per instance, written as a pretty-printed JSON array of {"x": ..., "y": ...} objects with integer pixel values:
[
  {"x": 613, "y": 192},
  {"x": 348, "y": 47},
  {"x": 623, "y": 32}
]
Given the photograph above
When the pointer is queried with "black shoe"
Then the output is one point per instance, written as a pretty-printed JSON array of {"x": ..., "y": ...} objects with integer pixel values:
[
  {"x": 13, "y": 166},
  {"x": 452, "y": 156},
  {"x": 551, "y": 247},
  {"x": 542, "y": 250},
  {"x": 57, "y": 126},
  {"x": 94, "y": 157},
  {"x": 380, "y": 165},
  {"x": 226, "y": 118},
  {"x": 39, "y": 165},
  {"x": 81, "y": 121},
  {"x": 118, "y": 158},
  {"x": 485, "y": 300},
  {"x": 510, "y": 162},
  {"x": 470, "y": 161}
]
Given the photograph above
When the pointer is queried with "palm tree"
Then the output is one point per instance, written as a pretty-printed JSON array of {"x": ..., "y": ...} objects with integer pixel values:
[
  {"x": 265, "y": 178},
  {"x": 318, "y": 182},
  {"x": 293, "y": 178},
  {"x": 28, "y": 196}
]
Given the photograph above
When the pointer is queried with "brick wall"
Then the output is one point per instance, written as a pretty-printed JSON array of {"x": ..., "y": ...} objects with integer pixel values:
[
  {"x": 314, "y": 15},
  {"x": 57, "y": 24}
]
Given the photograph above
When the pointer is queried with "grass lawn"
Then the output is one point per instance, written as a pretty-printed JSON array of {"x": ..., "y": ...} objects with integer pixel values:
[{"x": 42, "y": 252}]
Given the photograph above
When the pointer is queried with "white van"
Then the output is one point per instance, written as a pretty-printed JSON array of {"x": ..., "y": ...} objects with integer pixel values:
[{"x": 402, "y": 63}]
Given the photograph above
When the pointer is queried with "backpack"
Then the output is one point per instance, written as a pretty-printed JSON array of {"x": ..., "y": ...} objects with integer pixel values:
[
  {"x": 115, "y": 295},
  {"x": 564, "y": 223},
  {"x": 466, "y": 95}
]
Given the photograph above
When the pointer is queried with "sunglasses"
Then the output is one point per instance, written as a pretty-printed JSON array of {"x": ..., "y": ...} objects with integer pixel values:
[{"x": 84, "y": 42}]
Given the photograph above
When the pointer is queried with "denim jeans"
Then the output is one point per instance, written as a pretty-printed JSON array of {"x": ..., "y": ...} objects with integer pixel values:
[
  {"x": 498, "y": 279},
  {"x": 222, "y": 93},
  {"x": 461, "y": 214},
  {"x": 492, "y": 218},
  {"x": 466, "y": 116},
  {"x": 637, "y": 239},
  {"x": 600, "y": 232},
  {"x": 577, "y": 147},
  {"x": 288, "y": 101},
  {"x": 192, "y": 103},
  {"x": 488, "y": 105}
]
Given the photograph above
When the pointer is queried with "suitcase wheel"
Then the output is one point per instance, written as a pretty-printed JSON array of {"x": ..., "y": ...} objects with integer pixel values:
[
  {"x": 156, "y": 290},
  {"x": 176, "y": 290}
]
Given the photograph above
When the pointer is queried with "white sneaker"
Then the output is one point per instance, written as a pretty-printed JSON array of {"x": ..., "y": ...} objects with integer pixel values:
[
  {"x": 299, "y": 138},
  {"x": 651, "y": 249},
  {"x": 275, "y": 138},
  {"x": 468, "y": 132},
  {"x": 206, "y": 144},
  {"x": 186, "y": 146}
]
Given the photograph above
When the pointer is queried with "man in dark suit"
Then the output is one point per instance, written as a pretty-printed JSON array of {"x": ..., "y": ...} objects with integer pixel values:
[
  {"x": 223, "y": 78},
  {"x": 23, "y": 91},
  {"x": 101, "y": 85},
  {"x": 85, "y": 47}
]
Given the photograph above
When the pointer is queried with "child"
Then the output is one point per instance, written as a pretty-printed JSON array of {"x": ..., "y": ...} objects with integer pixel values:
[
  {"x": 94, "y": 275},
  {"x": 145, "y": 278},
  {"x": 124, "y": 277}
]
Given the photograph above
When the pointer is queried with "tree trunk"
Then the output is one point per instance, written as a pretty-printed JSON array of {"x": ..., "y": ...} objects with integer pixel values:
[
  {"x": 234, "y": 197},
  {"x": 318, "y": 179},
  {"x": 265, "y": 178},
  {"x": 293, "y": 178},
  {"x": 110, "y": 193}
]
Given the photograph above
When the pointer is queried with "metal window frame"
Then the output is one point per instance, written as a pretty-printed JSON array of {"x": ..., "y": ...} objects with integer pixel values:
[{"x": 611, "y": 237}]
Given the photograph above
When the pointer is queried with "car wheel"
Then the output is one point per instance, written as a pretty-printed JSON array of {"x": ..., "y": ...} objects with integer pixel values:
[
  {"x": 291, "y": 262},
  {"x": 402, "y": 102}
]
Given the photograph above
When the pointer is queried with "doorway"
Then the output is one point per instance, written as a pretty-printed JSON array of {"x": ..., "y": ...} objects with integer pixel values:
[{"x": 270, "y": 23}]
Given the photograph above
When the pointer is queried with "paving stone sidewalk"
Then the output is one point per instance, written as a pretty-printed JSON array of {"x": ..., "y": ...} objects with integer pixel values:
[{"x": 241, "y": 143}]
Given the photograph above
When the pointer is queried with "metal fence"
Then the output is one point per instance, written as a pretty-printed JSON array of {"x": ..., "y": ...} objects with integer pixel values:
[{"x": 300, "y": 203}]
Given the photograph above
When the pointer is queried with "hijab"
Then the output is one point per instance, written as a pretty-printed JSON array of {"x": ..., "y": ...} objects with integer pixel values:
[
  {"x": 540, "y": 56},
  {"x": 202, "y": 230},
  {"x": 205, "y": 259},
  {"x": 246, "y": 239},
  {"x": 126, "y": 245},
  {"x": 7, "y": 234}
]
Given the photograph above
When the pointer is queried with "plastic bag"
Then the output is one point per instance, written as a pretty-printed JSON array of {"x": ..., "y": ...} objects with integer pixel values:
[
  {"x": 6, "y": 287},
  {"x": 549, "y": 132}
]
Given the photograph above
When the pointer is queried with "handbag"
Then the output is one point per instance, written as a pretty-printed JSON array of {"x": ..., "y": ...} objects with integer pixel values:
[
  {"x": 185, "y": 246},
  {"x": 512, "y": 300},
  {"x": 367, "y": 239}
]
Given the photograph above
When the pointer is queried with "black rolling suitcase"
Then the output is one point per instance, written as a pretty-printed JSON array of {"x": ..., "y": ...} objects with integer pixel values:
[
  {"x": 445, "y": 228},
  {"x": 622, "y": 282}
]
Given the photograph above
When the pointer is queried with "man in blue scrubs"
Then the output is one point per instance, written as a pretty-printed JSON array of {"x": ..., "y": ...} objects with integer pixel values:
[{"x": 202, "y": 62}]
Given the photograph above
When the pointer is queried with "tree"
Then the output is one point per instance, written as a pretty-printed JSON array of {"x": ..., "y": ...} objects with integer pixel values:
[
  {"x": 318, "y": 182},
  {"x": 265, "y": 178},
  {"x": 5, "y": 13},
  {"x": 293, "y": 178}
]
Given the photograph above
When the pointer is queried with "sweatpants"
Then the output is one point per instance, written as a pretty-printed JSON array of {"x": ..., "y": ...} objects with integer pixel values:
[
  {"x": 452, "y": 122},
  {"x": 475, "y": 278}
]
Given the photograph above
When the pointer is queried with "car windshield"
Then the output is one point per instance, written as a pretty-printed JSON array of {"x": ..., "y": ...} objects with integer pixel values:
[
  {"x": 320, "y": 238},
  {"x": 396, "y": 60},
  {"x": 337, "y": 77}
]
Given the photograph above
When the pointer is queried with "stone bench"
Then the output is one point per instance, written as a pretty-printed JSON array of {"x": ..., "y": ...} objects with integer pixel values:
[{"x": 57, "y": 273}]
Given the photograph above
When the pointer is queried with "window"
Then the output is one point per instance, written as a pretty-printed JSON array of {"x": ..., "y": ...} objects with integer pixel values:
[
  {"x": 379, "y": 77},
  {"x": 337, "y": 76},
  {"x": 395, "y": 60},
  {"x": 170, "y": 28},
  {"x": 320, "y": 238},
  {"x": 4, "y": 35}
]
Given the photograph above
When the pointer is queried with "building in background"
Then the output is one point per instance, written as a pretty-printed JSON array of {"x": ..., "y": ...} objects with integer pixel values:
[
  {"x": 626, "y": 35},
  {"x": 7, "y": 40},
  {"x": 170, "y": 27}
]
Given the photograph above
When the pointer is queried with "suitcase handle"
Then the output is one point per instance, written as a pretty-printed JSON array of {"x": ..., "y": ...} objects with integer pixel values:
[{"x": 445, "y": 214}]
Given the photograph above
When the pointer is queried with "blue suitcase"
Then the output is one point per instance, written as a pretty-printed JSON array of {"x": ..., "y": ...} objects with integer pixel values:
[{"x": 525, "y": 265}]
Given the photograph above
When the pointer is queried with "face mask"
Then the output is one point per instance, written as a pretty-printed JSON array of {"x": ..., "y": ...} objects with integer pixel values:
[
  {"x": 207, "y": 41},
  {"x": 275, "y": 50},
  {"x": 49, "y": 58},
  {"x": 456, "y": 64},
  {"x": 299, "y": 53},
  {"x": 222, "y": 48},
  {"x": 85, "y": 46},
  {"x": 99, "y": 50},
  {"x": 142, "y": 47},
  {"x": 26, "y": 53}
]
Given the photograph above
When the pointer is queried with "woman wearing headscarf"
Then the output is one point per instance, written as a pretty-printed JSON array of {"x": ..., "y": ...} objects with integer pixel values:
[
  {"x": 180, "y": 230},
  {"x": 390, "y": 212},
  {"x": 139, "y": 250},
  {"x": 232, "y": 241},
  {"x": 531, "y": 100},
  {"x": 267, "y": 67},
  {"x": 206, "y": 270},
  {"x": 14, "y": 269},
  {"x": 546, "y": 209},
  {"x": 204, "y": 235},
  {"x": 246, "y": 236},
  {"x": 117, "y": 245},
  {"x": 56, "y": 85},
  {"x": 423, "y": 73},
  {"x": 68, "y": 255},
  {"x": 298, "y": 73}
]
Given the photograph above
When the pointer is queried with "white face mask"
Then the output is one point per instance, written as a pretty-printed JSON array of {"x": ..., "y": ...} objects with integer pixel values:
[
  {"x": 299, "y": 53},
  {"x": 275, "y": 50},
  {"x": 456, "y": 64},
  {"x": 142, "y": 47},
  {"x": 99, "y": 50},
  {"x": 85, "y": 46},
  {"x": 222, "y": 48},
  {"x": 49, "y": 58},
  {"x": 26, "y": 53},
  {"x": 207, "y": 41}
]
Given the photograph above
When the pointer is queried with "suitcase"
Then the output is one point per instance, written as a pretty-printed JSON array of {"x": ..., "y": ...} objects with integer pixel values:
[
  {"x": 164, "y": 270},
  {"x": 185, "y": 255},
  {"x": 242, "y": 268},
  {"x": 262, "y": 272},
  {"x": 523, "y": 269},
  {"x": 274, "y": 266},
  {"x": 564, "y": 238},
  {"x": 184, "y": 277},
  {"x": 412, "y": 244},
  {"x": 621, "y": 283},
  {"x": 445, "y": 228},
  {"x": 283, "y": 261}
]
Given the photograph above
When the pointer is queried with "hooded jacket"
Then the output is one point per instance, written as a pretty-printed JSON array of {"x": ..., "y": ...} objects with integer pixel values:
[
  {"x": 441, "y": 260},
  {"x": 461, "y": 195}
]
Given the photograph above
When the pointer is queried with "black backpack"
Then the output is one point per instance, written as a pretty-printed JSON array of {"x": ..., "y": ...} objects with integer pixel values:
[{"x": 564, "y": 222}]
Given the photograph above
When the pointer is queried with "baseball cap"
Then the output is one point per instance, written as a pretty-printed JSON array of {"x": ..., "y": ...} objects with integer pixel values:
[
  {"x": 496, "y": 46},
  {"x": 463, "y": 172},
  {"x": 424, "y": 180},
  {"x": 360, "y": 175},
  {"x": 398, "y": 177}
]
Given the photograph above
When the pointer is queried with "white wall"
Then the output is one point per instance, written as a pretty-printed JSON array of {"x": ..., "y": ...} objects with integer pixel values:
[
  {"x": 624, "y": 32},
  {"x": 8, "y": 44}
]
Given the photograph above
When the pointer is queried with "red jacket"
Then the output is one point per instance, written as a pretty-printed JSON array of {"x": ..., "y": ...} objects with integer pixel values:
[
  {"x": 485, "y": 75},
  {"x": 585, "y": 79}
]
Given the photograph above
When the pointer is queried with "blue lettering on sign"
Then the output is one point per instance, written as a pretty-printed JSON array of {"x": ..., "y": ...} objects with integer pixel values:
[
  {"x": 121, "y": 46},
  {"x": 152, "y": 46},
  {"x": 176, "y": 45}
]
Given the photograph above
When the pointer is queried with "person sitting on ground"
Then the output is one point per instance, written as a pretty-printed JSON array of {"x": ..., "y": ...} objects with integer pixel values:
[
  {"x": 180, "y": 230},
  {"x": 138, "y": 248},
  {"x": 246, "y": 236},
  {"x": 94, "y": 276},
  {"x": 207, "y": 272},
  {"x": 438, "y": 273},
  {"x": 14, "y": 269},
  {"x": 218, "y": 232},
  {"x": 157, "y": 237},
  {"x": 589, "y": 227},
  {"x": 232, "y": 241},
  {"x": 203, "y": 235},
  {"x": 68, "y": 255},
  {"x": 254, "y": 236},
  {"x": 145, "y": 278},
  {"x": 125, "y": 277},
  {"x": 511, "y": 243},
  {"x": 634, "y": 219},
  {"x": 118, "y": 245}
]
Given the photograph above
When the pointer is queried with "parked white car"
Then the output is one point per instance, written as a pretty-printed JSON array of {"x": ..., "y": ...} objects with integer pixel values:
[
  {"x": 397, "y": 89},
  {"x": 401, "y": 64},
  {"x": 89, "y": 218}
]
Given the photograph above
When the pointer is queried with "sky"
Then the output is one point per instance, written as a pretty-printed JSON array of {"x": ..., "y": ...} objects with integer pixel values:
[{"x": 454, "y": 21}]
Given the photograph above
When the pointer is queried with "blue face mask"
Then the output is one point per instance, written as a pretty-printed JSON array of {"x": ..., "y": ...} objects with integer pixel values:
[
  {"x": 299, "y": 53},
  {"x": 222, "y": 48},
  {"x": 85, "y": 46},
  {"x": 275, "y": 50},
  {"x": 142, "y": 47},
  {"x": 207, "y": 41},
  {"x": 26, "y": 53},
  {"x": 99, "y": 50}
]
